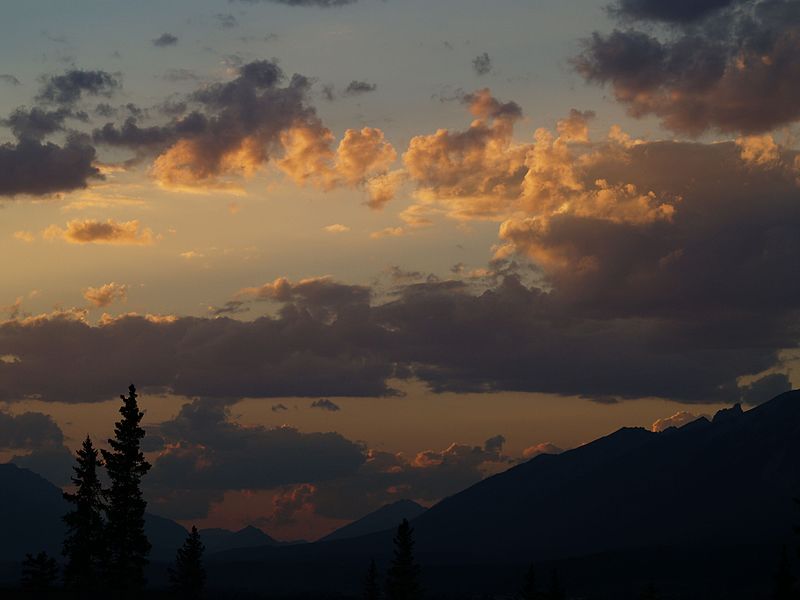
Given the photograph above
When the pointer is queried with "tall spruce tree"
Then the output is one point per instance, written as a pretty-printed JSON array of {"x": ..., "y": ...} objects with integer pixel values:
[
  {"x": 402, "y": 578},
  {"x": 128, "y": 546},
  {"x": 784, "y": 579},
  {"x": 188, "y": 577},
  {"x": 39, "y": 573},
  {"x": 529, "y": 591},
  {"x": 556, "y": 591},
  {"x": 84, "y": 544},
  {"x": 372, "y": 589}
]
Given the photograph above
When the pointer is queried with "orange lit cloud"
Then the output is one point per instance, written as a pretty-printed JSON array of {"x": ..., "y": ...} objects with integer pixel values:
[
  {"x": 90, "y": 231},
  {"x": 679, "y": 419},
  {"x": 106, "y": 294}
]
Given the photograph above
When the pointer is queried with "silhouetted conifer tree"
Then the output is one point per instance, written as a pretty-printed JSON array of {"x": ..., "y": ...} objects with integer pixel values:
[
  {"x": 84, "y": 542},
  {"x": 188, "y": 578},
  {"x": 39, "y": 573},
  {"x": 402, "y": 578},
  {"x": 127, "y": 543},
  {"x": 529, "y": 591},
  {"x": 784, "y": 580},
  {"x": 372, "y": 589},
  {"x": 556, "y": 591},
  {"x": 650, "y": 592}
]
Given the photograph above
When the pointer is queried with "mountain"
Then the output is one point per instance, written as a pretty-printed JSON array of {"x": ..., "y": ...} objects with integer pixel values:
[
  {"x": 386, "y": 517},
  {"x": 30, "y": 518},
  {"x": 217, "y": 540},
  {"x": 702, "y": 502}
]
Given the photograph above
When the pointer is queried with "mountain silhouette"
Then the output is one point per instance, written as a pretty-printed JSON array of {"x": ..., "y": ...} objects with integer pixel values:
[
  {"x": 217, "y": 540},
  {"x": 709, "y": 495},
  {"x": 31, "y": 509},
  {"x": 386, "y": 517}
]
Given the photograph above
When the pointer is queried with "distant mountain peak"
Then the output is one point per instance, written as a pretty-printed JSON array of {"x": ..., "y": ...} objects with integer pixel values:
[{"x": 728, "y": 414}]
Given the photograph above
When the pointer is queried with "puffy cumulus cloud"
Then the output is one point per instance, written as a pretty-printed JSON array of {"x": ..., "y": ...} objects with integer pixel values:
[
  {"x": 89, "y": 231},
  {"x": 69, "y": 87},
  {"x": 722, "y": 65},
  {"x": 106, "y": 294},
  {"x": 36, "y": 123},
  {"x": 30, "y": 167},
  {"x": 336, "y": 228},
  {"x": 206, "y": 450},
  {"x": 759, "y": 149},
  {"x": 362, "y": 158},
  {"x": 165, "y": 40},
  {"x": 325, "y": 404},
  {"x": 679, "y": 419},
  {"x": 481, "y": 173},
  {"x": 236, "y": 127},
  {"x": 543, "y": 448}
]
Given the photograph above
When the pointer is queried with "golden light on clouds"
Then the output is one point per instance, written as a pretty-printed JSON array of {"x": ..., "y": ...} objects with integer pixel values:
[{"x": 90, "y": 231}]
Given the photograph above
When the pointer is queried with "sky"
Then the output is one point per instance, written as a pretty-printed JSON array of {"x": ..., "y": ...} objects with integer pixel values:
[{"x": 353, "y": 251}]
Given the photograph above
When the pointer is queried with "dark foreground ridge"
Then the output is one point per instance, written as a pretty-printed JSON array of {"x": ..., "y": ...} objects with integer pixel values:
[{"x": 702, "y": 512}]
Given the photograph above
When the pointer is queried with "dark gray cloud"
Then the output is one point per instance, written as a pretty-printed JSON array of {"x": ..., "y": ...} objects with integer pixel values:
[
  {"x": 165, "y": 40},
  {"x": 28, "y": 431},
  {"x": 325, "y": 404},
  {"x": 674, "y": 11},
  {"x": 36, "y": 123},
  {"x": 209, "y": 452},
  {"x": 737, "y": 69},
  {"x": 36, "y": 168},
  {"x": 482, "y": 64},
  {"x": 68, "y": 88},
  {"x": 766, "y": 388},
  {"x": 280, "y": 407},
  {"x": 356, "y": 88}
]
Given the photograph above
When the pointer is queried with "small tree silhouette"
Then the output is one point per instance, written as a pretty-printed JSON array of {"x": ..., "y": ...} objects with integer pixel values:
[
  {"x": 402, "y": 578},
  {"x": 84, "y": 542},
  {"x": 39, "y": 573},
  {"x": 529, "y": 591},
  {"x": 556, "y": 591},
  {"x": 650, "y": 592},
  {"x": 188, "y": 578},
  {"x": 372, "y": 589},
  {"x": 784, "y": 580},
  {"x": 127, "y": 543}
]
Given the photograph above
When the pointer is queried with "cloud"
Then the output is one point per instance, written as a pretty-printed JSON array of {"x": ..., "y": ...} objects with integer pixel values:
[
  {"x": 682, "y": 11},
  {"x": 234, "y": 128},
  {"x": 68, "y": 88},
  {"x": 679, "y": 419},
  {"x": 766, "y": 388},
  {"x": 356, "y": 88},
  {"x": 482, "y": 64},
  {"x": 325, "y": 404},
  {"x": 336, "y": 228},
  {"x": 24, "y": 236},
  {"x": 106, "y": 294},
  {"x": 226, "y": 20},
  {"x": 90, "y": 231},
  {"x": 280, "y": 407},
  {"x": 31, "y": 167},
  {"x": 723, "y": 65},
  {"x": 544, "y": 448},
  {"x": 29, "y": 431},
  {"x": 208, "y": 451},
  {"x": 10, "y": 79},
  {"x": 165, "y": 40}
]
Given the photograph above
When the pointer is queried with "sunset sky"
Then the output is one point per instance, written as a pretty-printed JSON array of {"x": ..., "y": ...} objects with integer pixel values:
[{"x": 352, "y": 251}]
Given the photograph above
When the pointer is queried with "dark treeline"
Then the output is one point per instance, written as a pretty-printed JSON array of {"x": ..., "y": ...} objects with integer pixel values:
[{"x": 105, "y": 549}]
